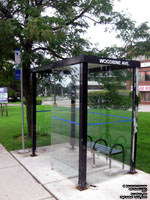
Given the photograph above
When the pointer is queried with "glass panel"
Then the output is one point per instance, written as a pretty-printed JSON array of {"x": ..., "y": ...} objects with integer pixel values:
[
  {"x": 65, "y": 122},
  {"x": 43, "y": 109},
  {"x": 109, "y": 121}
]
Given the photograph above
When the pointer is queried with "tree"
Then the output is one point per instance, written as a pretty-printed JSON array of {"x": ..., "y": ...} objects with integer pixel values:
[
  {"x": 136, "y": 40},
  {"x": 140, "y": 42},
  {"x": 60, "y": 33}
]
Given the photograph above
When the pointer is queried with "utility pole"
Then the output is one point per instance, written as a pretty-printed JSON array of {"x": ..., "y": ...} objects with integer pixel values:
[{"x": 18, "y": 62}]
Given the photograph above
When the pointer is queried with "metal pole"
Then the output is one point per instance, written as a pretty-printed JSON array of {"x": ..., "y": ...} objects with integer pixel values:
[
  {"x": 22, "y": 110},
  {"x": 73, "y": 114},
  {"x": 134, "y": 121},
  {"x": 22, "y": 115},
  {"x": 54, "y": 104},
  {"x": 83, "y": 126},
  {"x": 33, "y": 114}
]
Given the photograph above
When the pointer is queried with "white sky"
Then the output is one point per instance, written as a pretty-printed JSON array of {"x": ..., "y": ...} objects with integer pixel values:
[{"x": 139, "y": 11}]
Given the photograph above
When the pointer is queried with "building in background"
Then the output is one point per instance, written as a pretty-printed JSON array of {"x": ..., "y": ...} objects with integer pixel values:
[{"x": 144, "y": 81}]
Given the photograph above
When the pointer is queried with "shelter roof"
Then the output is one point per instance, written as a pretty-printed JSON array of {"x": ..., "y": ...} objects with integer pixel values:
[{"x": 93, "y": 63}]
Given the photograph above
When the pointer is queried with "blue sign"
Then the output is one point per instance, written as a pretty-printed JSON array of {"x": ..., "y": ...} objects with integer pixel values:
[
  {"x": 17, "y": 74},
  {"x": 3, "y": 95}
]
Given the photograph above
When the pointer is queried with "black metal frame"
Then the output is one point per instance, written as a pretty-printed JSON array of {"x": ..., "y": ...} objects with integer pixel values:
[
  {"x": 134, "y": 121},
  {"x": 73, "y": 113},
  {"x": 83, "y": 125},
  {"x": 103, "y": 64},
  {"x": 86, "y": 59}
]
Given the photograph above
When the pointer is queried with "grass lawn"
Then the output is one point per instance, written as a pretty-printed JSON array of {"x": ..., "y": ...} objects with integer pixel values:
[
  {"x": 10, "y": 128},
  {"x": 119, "y": 128},
  {"x": 143, "y": 142}
]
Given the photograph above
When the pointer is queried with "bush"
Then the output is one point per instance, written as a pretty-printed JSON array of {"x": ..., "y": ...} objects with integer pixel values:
[
  {"x": 110, "y": 99},
  {"x": 139, "y": 97},
  {"x": 38, "y": 101},
  {"x": 96, "y": 98}
]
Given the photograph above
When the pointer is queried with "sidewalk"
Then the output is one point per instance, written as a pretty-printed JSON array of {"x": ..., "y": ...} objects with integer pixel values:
[
  {"x": 61, "y": 179},
  {"x": 144, "y": 108},
  {"x": 16, "y": 183}
]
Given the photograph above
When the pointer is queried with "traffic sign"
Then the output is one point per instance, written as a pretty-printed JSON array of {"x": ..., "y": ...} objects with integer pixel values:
[
  {"x": 17, "y": 74},
  {"x": 17, "y": 57}
]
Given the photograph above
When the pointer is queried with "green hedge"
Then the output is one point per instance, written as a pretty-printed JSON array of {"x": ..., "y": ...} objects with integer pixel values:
[
  {"x": 38, "y": 102},
  {"x": 110, "y": 99}
]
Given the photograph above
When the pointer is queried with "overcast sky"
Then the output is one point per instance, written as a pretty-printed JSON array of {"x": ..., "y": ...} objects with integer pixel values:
[{"x": 139, "y": 11}]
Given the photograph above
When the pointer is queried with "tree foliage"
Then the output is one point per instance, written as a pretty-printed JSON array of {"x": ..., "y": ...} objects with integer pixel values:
[
  {"x": 136, "y": 40},
  {"x": 50, "y": 28}
]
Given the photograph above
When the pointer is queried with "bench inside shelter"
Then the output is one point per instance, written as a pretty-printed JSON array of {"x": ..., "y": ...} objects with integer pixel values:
[{"x": 105, "y": 149}]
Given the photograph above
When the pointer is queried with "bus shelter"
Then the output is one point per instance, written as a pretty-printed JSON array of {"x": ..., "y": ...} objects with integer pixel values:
[{"x": 96, "y": 116}]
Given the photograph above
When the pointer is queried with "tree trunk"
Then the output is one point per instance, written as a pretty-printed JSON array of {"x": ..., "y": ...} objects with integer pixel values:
[{"x": 28, "y": 97}]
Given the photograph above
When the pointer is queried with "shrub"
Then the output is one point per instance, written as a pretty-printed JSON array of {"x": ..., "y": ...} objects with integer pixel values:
[
  {"x": 139, "y": 97},
  {"x": 96, "y": 98},
  {"x": 110, "y": 99},
  {"x": 38, "y": 101}
]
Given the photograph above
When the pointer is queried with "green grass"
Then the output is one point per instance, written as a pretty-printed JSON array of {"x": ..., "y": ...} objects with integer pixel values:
[
  {"x": 143, "y": 142},
  {"x": 114, "y": 131},
  {"x": 10, "y": 130},
  {"x": 43, "y": 125}
]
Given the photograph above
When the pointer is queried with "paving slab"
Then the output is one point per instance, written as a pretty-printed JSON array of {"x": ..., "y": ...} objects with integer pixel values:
[
  {"x": 144, "y": 108},
  {"x": 50, "y": 198},
  {"x": 41, "y": 166},
  {"x": 6, "y": 160},
  {"x": 112, "y": 189},
  {"x": 59, "y": 181},
  {"x": 16, "y": 183}
]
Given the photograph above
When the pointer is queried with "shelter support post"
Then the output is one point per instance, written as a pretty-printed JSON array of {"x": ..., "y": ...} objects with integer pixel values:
[
  {"x": 134, "y": 121},
  {"x": 83, "y": 126},
  {"x": 34, "y": 114},
  {"x": 73, "y": 115}
]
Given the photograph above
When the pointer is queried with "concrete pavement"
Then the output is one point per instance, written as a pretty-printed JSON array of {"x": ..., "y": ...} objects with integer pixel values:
[
  {"x": 58, "y": 172},
  {"x": 23, "y": 177},
  {"x": 144, "y": 108},
  {"x": 16, "y": 183}
]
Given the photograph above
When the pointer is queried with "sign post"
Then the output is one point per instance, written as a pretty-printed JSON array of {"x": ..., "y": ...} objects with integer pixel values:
[
  {"x": 19, "y": 72},
  {"x": 3, "y": 99}
]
